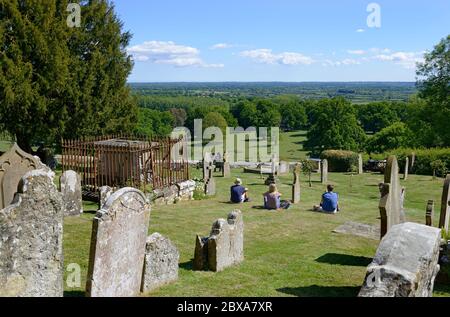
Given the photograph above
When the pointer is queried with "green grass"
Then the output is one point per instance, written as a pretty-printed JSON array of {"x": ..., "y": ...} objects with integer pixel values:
[
  {"x": 290, "y": 253},
  {"x": 291, "y": 146}
]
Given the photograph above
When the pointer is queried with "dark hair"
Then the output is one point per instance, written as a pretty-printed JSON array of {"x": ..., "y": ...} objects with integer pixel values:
[{"x": 330, "y": 188}]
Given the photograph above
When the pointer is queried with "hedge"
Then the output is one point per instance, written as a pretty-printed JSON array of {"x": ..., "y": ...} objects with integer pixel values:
[
  {"x": 340, "y": 161},
  {"x": 424, "y": 157}
]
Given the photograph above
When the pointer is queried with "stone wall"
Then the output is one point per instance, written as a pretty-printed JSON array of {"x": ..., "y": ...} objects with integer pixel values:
[{"x": 173, "y": 194}]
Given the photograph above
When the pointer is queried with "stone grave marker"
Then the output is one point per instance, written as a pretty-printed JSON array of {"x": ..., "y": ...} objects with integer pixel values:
[
  {"x": 430, "y": 213},
  {"x": 296, "y": 185},
  {"x": 13, "y": 165},
  {"x": 119, "y": 235},
  {"x": 406, "y": 172},
  {"x": 405, "y": 264},
  {"x": 360, "y": 164},
  {"x": 391, "y": 197},
  {"x": 210, "y": 183},
  {"x": 445, "y": 205},
  {"x": 161, "y": 263},
  {"x": 226, "y": 170},
  {"x": 70, "y": 186},
  {"x": 31, "y": 239},
  {"x": 224, "y": 247},
  {"x": 324, "y": 171}
]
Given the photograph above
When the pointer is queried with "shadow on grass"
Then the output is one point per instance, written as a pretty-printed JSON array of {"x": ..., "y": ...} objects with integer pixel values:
[
  {"x": 321, "y": 291},
  {"x": 188, "y": 266},
  {"x": 74, "y": 294},
  {"x": 344, "y": 259}
]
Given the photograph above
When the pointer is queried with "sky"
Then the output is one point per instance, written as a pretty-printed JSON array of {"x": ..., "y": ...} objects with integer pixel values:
[{"x": 280, "y": 40}]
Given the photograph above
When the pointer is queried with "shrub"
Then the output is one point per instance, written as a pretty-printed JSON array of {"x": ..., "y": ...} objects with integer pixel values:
[
  {"x": 340, "y": 161},
  {"x": 424, "y": 159}
]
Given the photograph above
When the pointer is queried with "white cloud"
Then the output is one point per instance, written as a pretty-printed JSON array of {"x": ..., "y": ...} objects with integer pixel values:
[
  {"x": 266, "y": 56},
  {"x": 360, "y": 30},
  {"x": 405, "y": 59},
  {"x": 356, "y": 52},
  {"x": 221, "y": 46},
  {"x": 160, "y": 52},
  {"x": 345, "y": 62},
  {"x": 349, "y": 61}
]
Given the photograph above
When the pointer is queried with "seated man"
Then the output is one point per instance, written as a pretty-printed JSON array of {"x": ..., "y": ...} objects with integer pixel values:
[
  {"x": 330, "y": 201},
  {"x": 239, "y": 194}
]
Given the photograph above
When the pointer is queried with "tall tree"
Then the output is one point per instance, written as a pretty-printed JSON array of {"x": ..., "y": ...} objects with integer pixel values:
[
  {"x": 434, "y": 85},
  {"x": 57, "y": 81}
]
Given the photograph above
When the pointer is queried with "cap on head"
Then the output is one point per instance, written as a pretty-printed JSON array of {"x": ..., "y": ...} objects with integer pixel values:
[{"x": 238, "y": 181}]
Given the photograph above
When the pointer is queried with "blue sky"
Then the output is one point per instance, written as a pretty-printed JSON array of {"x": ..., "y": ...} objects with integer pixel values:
[{"x": 280, "y": 40}]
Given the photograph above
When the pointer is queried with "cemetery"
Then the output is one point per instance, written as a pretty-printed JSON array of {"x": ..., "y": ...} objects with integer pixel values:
[{"x": 132, "y": 243}]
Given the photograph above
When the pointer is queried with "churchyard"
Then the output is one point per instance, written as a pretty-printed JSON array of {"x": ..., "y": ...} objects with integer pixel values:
[{"x": 287, "y": 253}]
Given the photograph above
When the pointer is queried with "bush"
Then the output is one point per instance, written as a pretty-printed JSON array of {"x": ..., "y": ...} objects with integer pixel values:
[
  {"x": 424, "y": 158},
  {"x": 340, "y": 161}
]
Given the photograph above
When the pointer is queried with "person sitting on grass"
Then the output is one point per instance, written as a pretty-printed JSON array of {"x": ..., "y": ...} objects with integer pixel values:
[
  {"x": 239, "y": 194},
  {"x": 330, "y": 201},
  {"x": 272, "y": 199}
]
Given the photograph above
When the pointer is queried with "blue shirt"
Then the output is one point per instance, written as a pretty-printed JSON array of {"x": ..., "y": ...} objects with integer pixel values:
[
  {"x": 236, "y": 193},
  {"x": 330, "y": 201}
]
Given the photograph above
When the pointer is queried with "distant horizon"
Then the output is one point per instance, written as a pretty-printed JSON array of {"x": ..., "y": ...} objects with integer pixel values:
[{"x": 268, "y": 82}]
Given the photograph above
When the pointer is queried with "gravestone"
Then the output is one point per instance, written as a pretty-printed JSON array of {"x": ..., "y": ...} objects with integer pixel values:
[
  {"x": 405, "y": 175},
  {"x": 445, "y": 205},
  {"x": 226, "y": 170},
  {"x": 402, "y": 205},
  {"x": 31, "y": 239},
  {"x": 296, "y": 185},
  {"x": 224, "y": 247},
  {"x": 405, "y": 264},
  {"x": 283, "y": 168},
  {"x": 360, "y": 164},
  {"x": 391, "y": 197},
  {"x": 119, "y": 235},
  {"x": 412, "y": 162},
  {"x": 13, "y": 165},
  {"x": 324, "y": 171},
  {"x": 161, "y": 263},
  {"x": 430, "y": 213},
  {"x": 207, "y": 165},
  {"x": 210, "y": 183},
  {"x": 104, "y": 193},
  {"x": 70, "y": 186}
]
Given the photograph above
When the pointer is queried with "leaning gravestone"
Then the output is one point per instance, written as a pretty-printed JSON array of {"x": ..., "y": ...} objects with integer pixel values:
[
  {"x": 445, "y": 205},
  {"x": 226, "y": 171},
  {"x": 296, "y": 185},
  {"x": 360, "y": 164},
  {"x": 31, "y": 239},
  {"x": 13, "y": 165},
  {"x": 119, "y": 235},
  {"x": 225, "y": 245},
  {"x": 406, "y": 172},
  {"x": 324, "y": 171},
  {"x": 70, "y": 186},
  {"x": 406, "y": 263},
  {"x": 161, "y": 263},
  {"x": 430, "y": 213},
  {"x": 391, "y": 197}
]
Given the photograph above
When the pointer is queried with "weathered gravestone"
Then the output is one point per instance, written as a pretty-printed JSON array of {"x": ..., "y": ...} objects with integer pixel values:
[
  {"x": 104, "y": 193},
  {"x": 119, "y": 235},
  {"x": 412, "y": 162},
  {"x": 405, "y": 264},
  {"x": 360, "y": 164},
  {"x": 226, "y": 170},
  {"x": 70, "y": 186},
  {"x": 406, "y": 171},
  {"x": 391, "y": 197},
  {"x": 445, "y": 205},
  {"x": 296, "y": 185},
  {"x": 13, "y": 165},
  {"x": 430, "y": 213},
  {"x": 31, "y": 239},
  {"x": 161, "y": 263},
  {"x": 324, "y": 171},
  {"x": 225, "y": 245},
  {"x": 207, "y": 165},
  {"x": 210, "y": 183}
]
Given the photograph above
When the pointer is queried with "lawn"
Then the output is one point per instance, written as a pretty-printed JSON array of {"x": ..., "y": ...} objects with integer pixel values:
[{"x": 290, "y": 253}]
